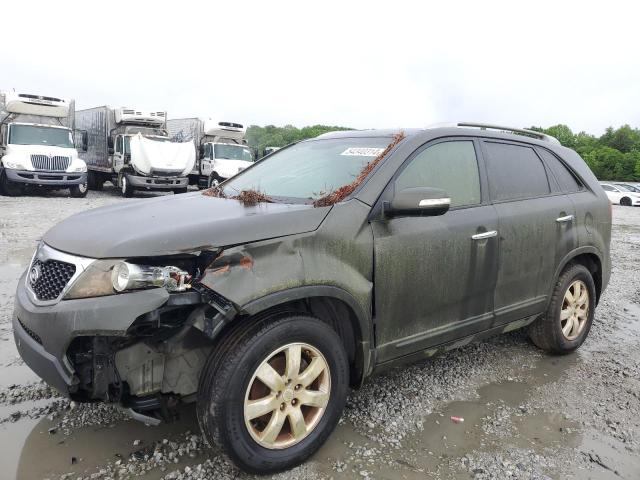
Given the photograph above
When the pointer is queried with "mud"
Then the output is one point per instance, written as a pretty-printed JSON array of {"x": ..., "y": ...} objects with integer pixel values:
[{"x": 526, "y": 415}]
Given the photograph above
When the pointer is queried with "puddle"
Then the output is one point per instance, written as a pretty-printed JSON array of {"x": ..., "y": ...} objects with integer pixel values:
[{"x": 45, "y": 455}]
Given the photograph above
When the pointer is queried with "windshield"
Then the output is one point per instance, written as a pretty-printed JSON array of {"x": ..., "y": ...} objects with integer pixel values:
[
  {"x": 309, "y": 169},
  {"x": 627, "y": 188},
  {"x": 33, "y": 135},
  {"x": 232, "y": 152}
]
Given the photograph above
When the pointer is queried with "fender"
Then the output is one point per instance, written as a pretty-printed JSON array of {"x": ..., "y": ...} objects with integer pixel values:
[
  {"x": 573, "y": 254},
  {"x": 300, "y": 293}
]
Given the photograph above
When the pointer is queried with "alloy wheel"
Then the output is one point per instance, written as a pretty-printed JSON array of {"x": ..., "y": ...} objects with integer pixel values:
[
  {"x": 287, "y": 396},
  {"x": 575, "y": 310}
]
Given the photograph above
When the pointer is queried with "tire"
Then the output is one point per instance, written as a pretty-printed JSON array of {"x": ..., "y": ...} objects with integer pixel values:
[
  {"x": 94, "y": 181},
  {"x": 214, "y": 180},
  {"x": 625, "y": 202},
  {"x": 126, "y": 190},
  {"x": 79, "y": 191},
  {"x": 228, "y": 381},
  {"x": 9, "y": 188},
  {"x": 547, "y": 331},
  {"x": 178, "y": 191}
]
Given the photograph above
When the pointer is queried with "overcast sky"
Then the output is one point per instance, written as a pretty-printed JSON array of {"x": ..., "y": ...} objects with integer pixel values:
[{"x": 369, "y": 64}]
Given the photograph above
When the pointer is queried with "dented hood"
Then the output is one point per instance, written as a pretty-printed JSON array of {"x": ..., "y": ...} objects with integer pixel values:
[{"x": 181, "y": 223}]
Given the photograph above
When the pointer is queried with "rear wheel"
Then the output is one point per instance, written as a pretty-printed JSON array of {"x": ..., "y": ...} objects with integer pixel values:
[
  {"x": 566, "y": 324},
  {"x": 94, "y": 181},
  {"x": 9, "y": 188},
  {"x": 79, "y": 191},
  {"x": 625, "y": 202},
  {"x": 273, "y": 393}
]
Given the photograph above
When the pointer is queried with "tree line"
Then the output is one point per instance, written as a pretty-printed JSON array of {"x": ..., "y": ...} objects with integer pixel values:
[{"x": 615, "y": 155}]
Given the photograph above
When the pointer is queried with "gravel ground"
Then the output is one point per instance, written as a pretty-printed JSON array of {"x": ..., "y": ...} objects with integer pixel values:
[{"x": 526, "y": 415}]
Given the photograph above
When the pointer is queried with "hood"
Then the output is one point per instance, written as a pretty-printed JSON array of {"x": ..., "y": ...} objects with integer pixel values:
[
  {"x": 228, "y": 168},
  {"x": 174, "y": 224},
  {"x": 148, "y": 154}
]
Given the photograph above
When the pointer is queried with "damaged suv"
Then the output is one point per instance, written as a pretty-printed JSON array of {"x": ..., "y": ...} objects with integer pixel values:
[{"x": 267, "y": 297}]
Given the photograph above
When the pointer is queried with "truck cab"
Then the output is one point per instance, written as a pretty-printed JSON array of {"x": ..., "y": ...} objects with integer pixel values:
[
  {"x": 37, "y": 145},
  {"x": 223, "y": 151}
]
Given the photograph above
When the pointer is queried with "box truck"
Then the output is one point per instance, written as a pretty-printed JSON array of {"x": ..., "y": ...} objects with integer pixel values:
[
  {"x": 131, "y": 148},
  {"x": 37, "y": 145},
  {"x": 221, "y": 148}
]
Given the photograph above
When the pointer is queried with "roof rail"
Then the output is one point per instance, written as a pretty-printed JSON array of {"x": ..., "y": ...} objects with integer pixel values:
[{"x": 484, "y": 126}]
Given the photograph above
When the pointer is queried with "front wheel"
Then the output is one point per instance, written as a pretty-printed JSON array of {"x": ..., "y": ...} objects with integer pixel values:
[
  {"x": 214, "y": 180},
  {"x": 567, "y": 321},
  {"x": 180, "y": 190},
  {"x": 625, "y": 202},
  {"x": 272, "y": 394},
  {"x": 79, "y": 191},
  {"x": 126, "y": 190},
  {"x": 9, "y": 188}
]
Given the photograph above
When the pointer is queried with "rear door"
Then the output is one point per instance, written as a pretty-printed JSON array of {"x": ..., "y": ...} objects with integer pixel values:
[
  {"x": 435, "y": 276},
  {"x": 535, "y": 225}
]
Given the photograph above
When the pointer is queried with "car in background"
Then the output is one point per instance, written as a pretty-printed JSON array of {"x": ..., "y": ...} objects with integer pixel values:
[
  {"x": 621, "y": 195},
  {"x": 630, "y": 186}
]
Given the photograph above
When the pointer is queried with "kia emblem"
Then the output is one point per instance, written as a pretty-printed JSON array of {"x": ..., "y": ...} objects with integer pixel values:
[{"x": 34, "y": 274}]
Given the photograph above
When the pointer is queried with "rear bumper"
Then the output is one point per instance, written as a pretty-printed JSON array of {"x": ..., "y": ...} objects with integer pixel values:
[
  {"x": 55, "y": 179},
  {"x": 43, "y": 333},
  {"x": 157, "y": 183}
]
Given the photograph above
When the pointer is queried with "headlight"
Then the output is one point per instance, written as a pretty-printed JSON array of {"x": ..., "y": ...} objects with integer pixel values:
[
  {"x": 14, "y": 165},
  {"x": 107, "y": 277},
  {"x": 78, "y": 166},
  {"x": 127, "y": 276}
]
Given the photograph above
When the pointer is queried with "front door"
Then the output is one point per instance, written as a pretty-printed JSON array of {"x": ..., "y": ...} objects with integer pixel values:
[
  {"x": 435, "y": 276},
  {"x": 536, "y": 228},
  {"x": 118, "y": 154}
]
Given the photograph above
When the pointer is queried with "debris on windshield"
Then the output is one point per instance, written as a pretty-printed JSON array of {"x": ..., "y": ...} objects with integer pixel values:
[
  {"x": 248, "y": 197},
  {"x": 343, "y": 192}
]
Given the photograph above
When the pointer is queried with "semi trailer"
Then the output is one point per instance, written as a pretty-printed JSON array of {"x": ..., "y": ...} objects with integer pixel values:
[
  {"x": 131, "y": 148},
  {"x": 220, "y": 147},
  {"x": 37, "y": 145}
]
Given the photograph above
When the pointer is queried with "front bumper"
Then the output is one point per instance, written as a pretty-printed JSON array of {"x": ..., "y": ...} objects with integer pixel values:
[
  {"x": 157, "y": 183},
  {"x": 43, "y": 333},
  {"x": 54, "y": 179}
]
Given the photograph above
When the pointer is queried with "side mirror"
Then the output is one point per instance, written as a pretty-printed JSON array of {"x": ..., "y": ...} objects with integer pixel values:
[
  {"x": 111, "y": 150},
  {"x": 201, "y": 151},
  {"x": 418, "y": 201},
  {"x": 109, "y": 142}
]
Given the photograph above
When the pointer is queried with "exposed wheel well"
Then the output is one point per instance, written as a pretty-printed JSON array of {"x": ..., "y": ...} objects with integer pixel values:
[
  {"x": 334, "y": 312},
  {"x": 593, "y": 264}
]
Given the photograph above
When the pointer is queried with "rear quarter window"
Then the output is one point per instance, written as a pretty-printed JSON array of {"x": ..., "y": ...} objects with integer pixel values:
[
  {"x": 567, "y": 180},
  {"x": 515, "y": 172}
]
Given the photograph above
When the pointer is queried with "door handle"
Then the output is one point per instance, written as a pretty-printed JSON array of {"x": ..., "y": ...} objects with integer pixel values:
[
  {"x": 482, "y": 236},
  {"x": 568, "y": 218}
]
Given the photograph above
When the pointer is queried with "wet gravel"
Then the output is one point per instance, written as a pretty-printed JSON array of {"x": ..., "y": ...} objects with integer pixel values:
[{"x": 526, "y": 415}]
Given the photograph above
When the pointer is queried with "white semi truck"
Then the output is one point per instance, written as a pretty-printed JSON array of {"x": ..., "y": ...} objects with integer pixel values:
[
  {"x": 37, "y": 145},
  {"x": 220, "y": 147},
  {"x": 131, "y": 148}
]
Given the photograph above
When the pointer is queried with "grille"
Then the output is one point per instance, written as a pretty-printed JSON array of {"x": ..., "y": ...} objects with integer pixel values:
[
  {"x": 30, "y": 332},
  {"x": 53, "y": 164},
  {"x": 54, "y": 276}
]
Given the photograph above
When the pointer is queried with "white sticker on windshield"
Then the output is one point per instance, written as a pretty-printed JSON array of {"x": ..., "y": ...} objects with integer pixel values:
[{"x": 363, "y": 151}]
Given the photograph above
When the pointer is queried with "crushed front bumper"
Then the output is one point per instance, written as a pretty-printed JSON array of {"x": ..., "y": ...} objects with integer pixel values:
[
  {"x": 54, "y": 179},
  {"x": 157, "y": 183},
  {"x": 44, "y": 333}
]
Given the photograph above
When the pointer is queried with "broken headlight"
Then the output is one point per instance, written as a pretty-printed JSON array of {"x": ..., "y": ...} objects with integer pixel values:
[
  {"x": 107, "y": 277},
  {"x": 129, "y": 276}
]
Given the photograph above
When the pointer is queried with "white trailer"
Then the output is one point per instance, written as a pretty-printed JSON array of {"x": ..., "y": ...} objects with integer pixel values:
[
  {"x": 220, "y": 147},
  {"x": 131, "y": 148},
  {"x": 37, "y": 145}
]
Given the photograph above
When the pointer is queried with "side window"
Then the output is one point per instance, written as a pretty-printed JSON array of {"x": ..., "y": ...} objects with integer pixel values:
[
  {"x": 451, "y": 166},
  {"x": 515, "y": 172},
  {"x": 119, "y": 144},
  {"x": 568, "y": 182},
  {"x": 608, "y": 188}
]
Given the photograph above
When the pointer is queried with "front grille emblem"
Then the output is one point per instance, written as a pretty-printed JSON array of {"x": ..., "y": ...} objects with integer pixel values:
[{"x": 34, "y": 274}]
